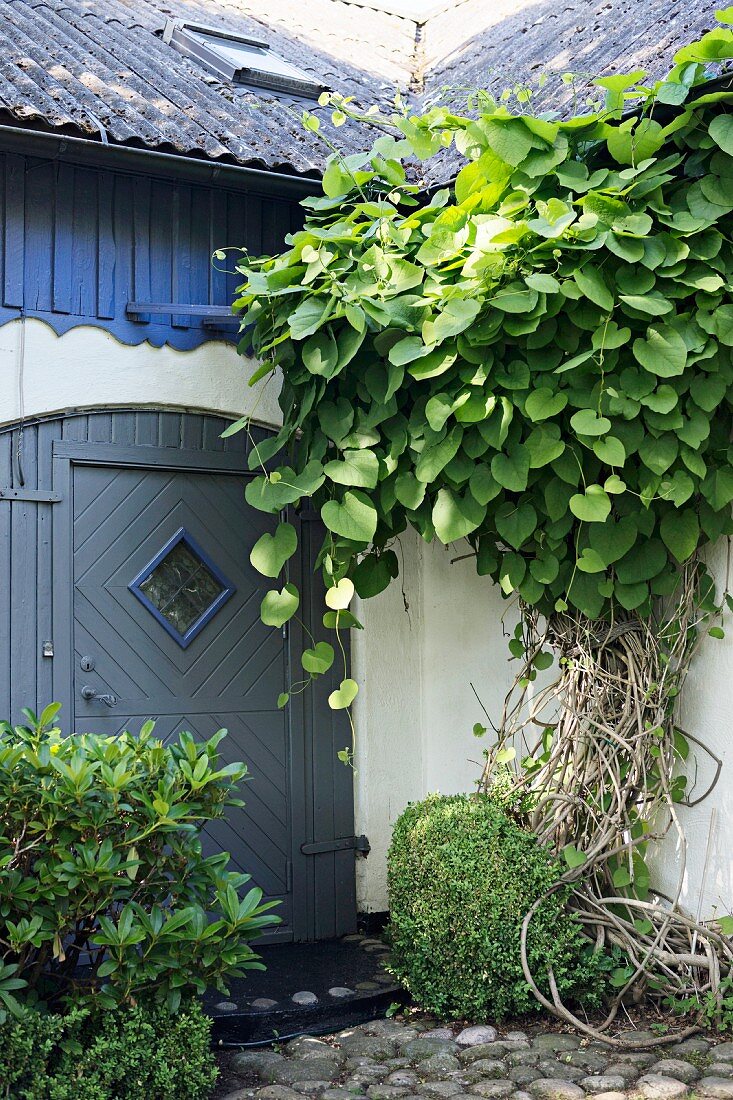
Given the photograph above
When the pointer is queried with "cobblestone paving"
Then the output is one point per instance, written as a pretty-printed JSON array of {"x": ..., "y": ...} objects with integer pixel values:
[{"x": 415, "y": 1060}]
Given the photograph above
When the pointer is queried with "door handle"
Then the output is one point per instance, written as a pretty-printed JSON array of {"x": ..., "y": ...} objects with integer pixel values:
[{"x": 88, "y": 693}]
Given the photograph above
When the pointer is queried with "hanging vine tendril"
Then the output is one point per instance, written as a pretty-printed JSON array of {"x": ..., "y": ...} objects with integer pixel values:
[{"x": 591, "y": 763}]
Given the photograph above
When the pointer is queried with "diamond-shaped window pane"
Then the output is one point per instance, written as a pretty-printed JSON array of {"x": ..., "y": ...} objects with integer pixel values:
[{"x": 182, "y": 587}]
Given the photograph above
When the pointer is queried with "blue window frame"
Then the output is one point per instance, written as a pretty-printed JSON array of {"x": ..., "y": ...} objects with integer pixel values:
[{"x": 182, "y": 587}]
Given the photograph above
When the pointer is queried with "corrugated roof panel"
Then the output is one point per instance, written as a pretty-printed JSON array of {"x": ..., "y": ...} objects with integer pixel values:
[{"x": 99, "y": 67}]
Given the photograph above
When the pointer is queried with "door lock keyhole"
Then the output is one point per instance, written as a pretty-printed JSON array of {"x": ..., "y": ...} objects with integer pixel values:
[{"x": 87, "y": 664}]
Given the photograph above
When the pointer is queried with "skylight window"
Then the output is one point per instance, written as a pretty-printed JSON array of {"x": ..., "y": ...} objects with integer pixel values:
[{"x": 240, "y": 60}]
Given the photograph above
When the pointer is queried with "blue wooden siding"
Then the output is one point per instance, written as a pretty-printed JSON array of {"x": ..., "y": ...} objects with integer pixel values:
[{"x": 78, "y": 243}]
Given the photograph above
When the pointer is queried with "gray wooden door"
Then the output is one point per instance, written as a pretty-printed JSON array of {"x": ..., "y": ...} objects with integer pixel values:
[
  {"x": 166, "y": 625},
  {"x": 102, "y": 494}
]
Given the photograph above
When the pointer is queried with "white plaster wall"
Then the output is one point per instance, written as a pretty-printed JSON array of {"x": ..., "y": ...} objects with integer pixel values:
[
  {"x": 463, "y": 644},
  {"x": 707, "y": 710},
  {"x": 389, "y": 718},
  {"x": 41, "y": 373},
  {"x": 416, "y": 710}
]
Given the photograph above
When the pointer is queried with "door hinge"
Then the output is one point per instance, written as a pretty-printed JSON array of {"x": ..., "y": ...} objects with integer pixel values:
[
  {"x": 35, "y": 496},
  {"x": 340, "y": 844}
]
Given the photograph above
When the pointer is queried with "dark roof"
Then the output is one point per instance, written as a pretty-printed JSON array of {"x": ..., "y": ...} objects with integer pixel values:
[{"x": 99, "y": 69}]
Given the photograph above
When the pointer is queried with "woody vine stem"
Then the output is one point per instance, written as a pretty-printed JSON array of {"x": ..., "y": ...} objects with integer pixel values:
[{"x": 590, "y": 763}]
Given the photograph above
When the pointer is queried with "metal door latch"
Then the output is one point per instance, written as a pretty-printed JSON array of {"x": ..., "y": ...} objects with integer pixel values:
[
  {"x": 89, "y": 693},
  {"x": 340, "y": 844}
]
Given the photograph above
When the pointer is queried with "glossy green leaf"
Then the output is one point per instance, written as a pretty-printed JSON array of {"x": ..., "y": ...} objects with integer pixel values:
[
  {"x": 358, "y": 468},
  {"x": 270, "y": 552},
  {"x": 344, "y": 695},
  {"x": 456, "y": 515},
  {"x": 511, "y": 471},
  {"x": 680, "y": 532},
  {"x": 278, "y": 607},
  {"x": 354, "y": 517},
  {"x": 318, "y": 659},
  {"x": 592, "y": 506},
  {"x": 663, "y": 352}
]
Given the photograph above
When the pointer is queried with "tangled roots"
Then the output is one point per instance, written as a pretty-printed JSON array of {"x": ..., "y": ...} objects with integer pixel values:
[{"x": 596, "y": 778}]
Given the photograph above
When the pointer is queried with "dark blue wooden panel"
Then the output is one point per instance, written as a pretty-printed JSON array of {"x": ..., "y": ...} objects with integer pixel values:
[
  {"x": 13, "y": 230},
  {"x": 78, "y": 243}
]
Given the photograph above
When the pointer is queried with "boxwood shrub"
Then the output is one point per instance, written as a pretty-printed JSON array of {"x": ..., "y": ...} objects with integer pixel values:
[
  {"x": 130, "y": 1053},
  {"x": 462, "y": 875}
]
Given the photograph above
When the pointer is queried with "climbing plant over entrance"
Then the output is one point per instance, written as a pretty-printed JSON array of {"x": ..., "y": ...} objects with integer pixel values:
[{"x": 535, "y": 359}]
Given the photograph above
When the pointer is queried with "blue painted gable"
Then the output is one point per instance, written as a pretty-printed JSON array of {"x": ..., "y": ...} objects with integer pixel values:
[{"x": 78, "y": 244}]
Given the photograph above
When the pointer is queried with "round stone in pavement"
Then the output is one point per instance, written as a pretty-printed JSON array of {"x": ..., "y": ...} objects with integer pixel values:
[
  {"x": 442, "y": 1090},
  {"x": 262, "y": 1003},
  {"x": 472, "y": 1036},
  {"x": 226, "y": 1006},
  {"x": 404, "y": 1078},
  {"x": 438, "y": 1065},
  {"x": 677, "y": 1068},
  {"x": 555, "y": 1089},
  {"x": 523, "y": 1075},
  {"x": 719, "y": 1087},
  {"x": 340, "y": 991},
  {"x": 596, "y": 1085},
  {"x": 305, "y": 997},
  {"x": 493, "y": 1090},
  {"x": 692, "y": 1046},
  {"x": 385, "y": 1092},
  {"x": 654, "y": 1086},
  {"x": 719, "y": 1069},
  {"x": 419, "y": 1049},
  {"x": 723, "y": 1052},
  {"x": 489, "y": 1067},
  {"x": 277, "y": 1092},
  {"x": 297, "y": 1070},
  {"x": 555, "y": 1041},
  {"x": 438, "y": 1033}
]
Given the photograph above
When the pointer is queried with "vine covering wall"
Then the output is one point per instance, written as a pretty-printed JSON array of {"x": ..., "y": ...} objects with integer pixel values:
[{"x": 536, "y": 360}]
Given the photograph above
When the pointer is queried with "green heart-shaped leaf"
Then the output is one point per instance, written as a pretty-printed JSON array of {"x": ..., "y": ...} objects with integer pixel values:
[
  {"x": 354, "y": 517},
  {"x": 612, "y": 539},
  {"x": 592, "y": 284},
  {"x": 680, "y": 531},
  {"x": 277, "y": 607},
  {"x": 409, "y": 491},
  {"x": 543, "y": 403},
  {"x": 270, "y": 552},
  {"x": 341, "y": 620},
  {"x": 344, "y": 695},
  {"x": 592, "y": 506},
  {"x": 511, "y": 471},
  {"x": 588, "y": 422},
  {"x": 318, "y": 659},
  {"x": 515, "y": 523},
  {"x": 374, "y": 573},
  {"x": 456, "y": 515},
  {"x": 340, "y": 595},
  {"x": 544, "y": 445},
  {"x": 664, "y": 352},
  {"x": 614, "y": 484},
  {"x": 572, "y": 856},
  {"x": 610, "y": 450},
  {"x": 721, "y": 131},
  {"x": 359, "y": 468},
  {"x": 590, "y": 561}
]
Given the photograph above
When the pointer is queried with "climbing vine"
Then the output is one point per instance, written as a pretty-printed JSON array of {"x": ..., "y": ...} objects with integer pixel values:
[{"x": 536, "y": 359}]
